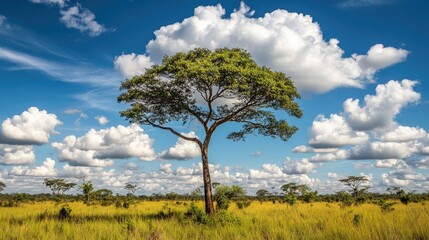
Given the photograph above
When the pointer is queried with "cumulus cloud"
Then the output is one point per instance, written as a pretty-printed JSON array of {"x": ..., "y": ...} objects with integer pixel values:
[
  {"x": 16, "y": 155},
  {"x": 284, "y": 41},
  {"x": 47, "y": 169},
  {"x": 183, "y": 149},
  {"x": 334, "y": 132},
  {"x": 403, "y": 134},
  {"x": 81, "y": 19},
  {"x": 130, "y": 65},
  {"x": 31, "y": 127},
  {"x": 97, "y": 148},
  {"x": 327, "y": 157},
  {"x": 298, "y": 167},
  {"x": 391, "y": 163},
  {"x": 380, "y": 109},
  {"x": 381, "y": 150},
  {"x": 102, "y": 120}
]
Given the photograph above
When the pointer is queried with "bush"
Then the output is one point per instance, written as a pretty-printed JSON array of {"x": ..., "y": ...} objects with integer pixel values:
[
  {"x": 243, "y": 203},
  {"x": 65, "y": 212}
]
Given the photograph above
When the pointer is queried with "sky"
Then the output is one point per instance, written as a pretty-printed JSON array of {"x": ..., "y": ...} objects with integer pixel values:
[{"x": 360, "y": 67}]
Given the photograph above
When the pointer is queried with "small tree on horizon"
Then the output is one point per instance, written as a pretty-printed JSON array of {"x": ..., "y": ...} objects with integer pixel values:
[
  {"x": 2, "y": 186},
  {"x": 355, "y": 183},
  {"x": 58, "y": 185},
  {"x": 212, "y": 88}
]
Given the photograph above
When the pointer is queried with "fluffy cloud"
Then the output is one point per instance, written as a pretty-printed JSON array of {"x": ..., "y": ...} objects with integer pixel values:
[
  {"x": 334, "y": 132},
  {"x": 16, "y": 155},
  {"x": 298, "y": 167},
  {"x": 95, "y": 148},
  {"x": 102, "y": 120},
  {"x": 31, "y": 127},
  {"x": 183, "y": 149},
  {"x": 390, "y": 163},
  {"x": 403, "y": 134},
  {"x": 327, "y": 157},
  {"x": 81, "y": 19},
  {"x": 130, "y": 65},
  {"x": 47, "y": 169},
  {"x": 307, "y": 149},
  {"x": 380, "y": 109},
  {"x": 381, "y": 150},
  {"x": 284, "y": 41}
]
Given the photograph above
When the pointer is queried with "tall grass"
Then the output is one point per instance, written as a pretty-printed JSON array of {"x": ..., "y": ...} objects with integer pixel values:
[{"x": 166, "y": 220}]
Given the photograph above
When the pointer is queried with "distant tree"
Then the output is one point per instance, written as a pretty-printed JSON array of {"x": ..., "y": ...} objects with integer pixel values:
[
  {"x": 105, "y": 196},
  {"x": 212, "y": 88},
  {"x": 355, "y": 183},
  {"x": 197, "y": 193},
  {"x": 224, "y": 194},
  {"x": 2, "y": 186},
  {"x": 58, "y": 185},
  {"x": 131, "y": 187},
  {"x": 293, "y": 191},
  {"x": 87, "y": 189}
]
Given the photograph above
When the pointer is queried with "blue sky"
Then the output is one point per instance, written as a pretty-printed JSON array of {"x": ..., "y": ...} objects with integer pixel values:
[{"x": 360, "y": 66}]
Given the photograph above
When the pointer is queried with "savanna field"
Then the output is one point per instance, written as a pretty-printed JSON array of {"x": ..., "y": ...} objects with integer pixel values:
[{"x": 182, "y": 220}]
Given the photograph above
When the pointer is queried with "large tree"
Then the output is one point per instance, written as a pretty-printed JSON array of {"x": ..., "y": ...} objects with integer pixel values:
[
  {"x": 355, "y": 182},
  {"x": 212, "y": 88}
]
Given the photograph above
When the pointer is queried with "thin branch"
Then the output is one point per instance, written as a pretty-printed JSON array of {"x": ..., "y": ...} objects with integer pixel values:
[{"x": 194, "y": 139}]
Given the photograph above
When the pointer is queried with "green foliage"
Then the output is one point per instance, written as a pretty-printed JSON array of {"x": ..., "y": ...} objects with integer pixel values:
[
  {"x": 58, "y": 185},
  {"x": 245, "y": 203},
  {"x": 65, "y": 212},
  {"x": 354, "y": 182},
  {"x": 87, "y": 189},
  {"x": 386, "y": 206},
  {"x": 224, "y": 194},
  {"x": 345, "y": 198},
  {"x": 131, "y": 187},
  {"x": 357, "y": 219},
  {"x": 2, "y": 186}
]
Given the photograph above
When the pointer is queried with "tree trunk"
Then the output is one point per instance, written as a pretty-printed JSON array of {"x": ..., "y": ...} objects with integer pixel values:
[{"x": 207, "y": 180}]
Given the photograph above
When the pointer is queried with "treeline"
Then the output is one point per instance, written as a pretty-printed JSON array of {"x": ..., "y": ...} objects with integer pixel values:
[{"x": 289, "y": 193}]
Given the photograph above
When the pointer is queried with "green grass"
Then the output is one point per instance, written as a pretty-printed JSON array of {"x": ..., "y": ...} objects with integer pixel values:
[{"x": 166, "y": 220}]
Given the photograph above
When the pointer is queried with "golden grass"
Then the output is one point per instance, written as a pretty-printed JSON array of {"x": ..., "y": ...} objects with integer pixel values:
[{"x": 259, "y": 221}]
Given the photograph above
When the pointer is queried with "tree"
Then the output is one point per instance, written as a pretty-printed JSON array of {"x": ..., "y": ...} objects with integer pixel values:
[
  {"x": 58, "y": 185},
  {"x": 2, "y": 186},
  {"x": 224, "y": 194},
  {"x": 354, "y": 182},
  {"x": 131, "y": 187},
  {"x": 87, "y": 189},
  {"x": 211, "y": 88}
]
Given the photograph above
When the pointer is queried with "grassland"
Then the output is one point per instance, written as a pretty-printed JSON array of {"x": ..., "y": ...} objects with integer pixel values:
[{"x": 166, "y": 220}]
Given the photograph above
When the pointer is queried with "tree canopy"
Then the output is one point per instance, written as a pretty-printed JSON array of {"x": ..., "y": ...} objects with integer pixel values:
[{"x": 212, "y": 88}]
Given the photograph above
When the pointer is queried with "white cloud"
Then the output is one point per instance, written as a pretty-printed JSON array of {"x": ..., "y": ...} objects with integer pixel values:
[
  {"x": 327, "y": 157},
  {"x": 31, "y": 127},
  {"x": 298, "y": 167},
  {"x": 130, "y": 65},
  {"x": 334, "y": 132},
  {"x": 284, "y": 41},
  {"x": 390, "y": 163},
  {"x": 102, "y": 120},
  {"x": 47, "y": 169},
  {"x": 60, "y": 3},
  {"x": 307, "y": 149},
  {"x": 403, "y": 134},
  {"x": 166, "y": 168},
  {"x": 82, "y": 19},
  {"x": 16, "y": 155},
  {"x": 379, "y": 57},
  {"x": 380, "y": 109},
  {"x": 382, "y": 150},
  {"x": 183, "y": 149},
  {"x": 97, "y": 148}
]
